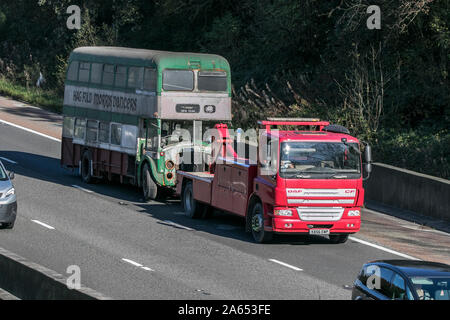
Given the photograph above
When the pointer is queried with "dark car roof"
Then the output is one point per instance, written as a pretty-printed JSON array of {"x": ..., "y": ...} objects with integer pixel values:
[{"x": 417, "y": 268}]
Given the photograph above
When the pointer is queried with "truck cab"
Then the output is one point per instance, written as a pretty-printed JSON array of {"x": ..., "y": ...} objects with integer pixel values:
[{"x": 307, "y": 181}]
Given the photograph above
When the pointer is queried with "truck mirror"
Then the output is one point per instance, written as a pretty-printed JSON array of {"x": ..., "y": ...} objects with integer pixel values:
[
  {"x": 368, "y": 167},
  {"x": 368, "y": 154}
]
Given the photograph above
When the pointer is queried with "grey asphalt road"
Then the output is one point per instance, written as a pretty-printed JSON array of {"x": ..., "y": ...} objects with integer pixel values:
[{"x": 168, "y": 256}]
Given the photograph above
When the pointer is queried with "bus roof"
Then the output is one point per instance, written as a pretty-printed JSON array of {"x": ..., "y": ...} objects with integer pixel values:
[{"x": 150, "y": 57}]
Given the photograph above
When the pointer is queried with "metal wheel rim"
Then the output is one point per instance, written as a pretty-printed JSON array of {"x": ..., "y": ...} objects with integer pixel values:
[{"x": 257, "y": 222}]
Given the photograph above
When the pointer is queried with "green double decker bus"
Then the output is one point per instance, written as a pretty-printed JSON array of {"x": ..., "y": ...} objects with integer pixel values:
[{"x": 137, "y": 115}]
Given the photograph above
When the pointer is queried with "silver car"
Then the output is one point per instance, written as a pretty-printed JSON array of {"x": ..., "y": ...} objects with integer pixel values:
[{"x": 8, "y": 199}]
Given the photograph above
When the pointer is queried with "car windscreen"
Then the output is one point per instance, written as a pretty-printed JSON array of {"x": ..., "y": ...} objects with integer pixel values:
[
  {"x": 320, "y": 160},
  {"x": 3, "y": 175},
  {"x": 212, "y": 81},
  {"x": 432, "y": 288},
  {"x": 178, "y": 80}
]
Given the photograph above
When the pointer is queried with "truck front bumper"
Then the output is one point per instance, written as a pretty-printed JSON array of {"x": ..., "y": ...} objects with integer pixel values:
[{"x": 345, "y": 225}]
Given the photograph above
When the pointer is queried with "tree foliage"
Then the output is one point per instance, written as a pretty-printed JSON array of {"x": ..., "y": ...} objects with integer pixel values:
[{"x": 288, "y": 57}]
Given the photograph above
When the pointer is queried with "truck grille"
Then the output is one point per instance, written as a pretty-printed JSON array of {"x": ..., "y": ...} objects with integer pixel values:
[{"x": 320, "y": 214}]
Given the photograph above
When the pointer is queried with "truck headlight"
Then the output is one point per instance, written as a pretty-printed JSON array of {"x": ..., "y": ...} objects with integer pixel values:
[
  {"x": 283, "y": 212},
  {"x": 354, "y": 213},
  {"x": 10, "y": 192}
]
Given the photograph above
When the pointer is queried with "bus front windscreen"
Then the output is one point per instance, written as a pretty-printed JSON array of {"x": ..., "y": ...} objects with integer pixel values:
[
  {"x": 212, "y": 81},
  {"x": 178, "y": 80},
  {"x": 320, "y": 160}
]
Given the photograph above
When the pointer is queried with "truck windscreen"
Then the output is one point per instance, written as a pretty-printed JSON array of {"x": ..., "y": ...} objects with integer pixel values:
[{"x": 320, "y": 160}]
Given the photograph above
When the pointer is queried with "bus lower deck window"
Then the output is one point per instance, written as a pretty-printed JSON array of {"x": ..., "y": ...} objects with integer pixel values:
[
  {"x": 103, "y": 132},
  {"x": 80, "y": 128},
  {"x": 68, "y": 127},
  {"x": 91, "y": 131},
  {"x": 116, "y": 134}
]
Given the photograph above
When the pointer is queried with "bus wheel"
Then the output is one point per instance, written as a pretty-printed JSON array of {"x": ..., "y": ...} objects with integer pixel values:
[
  {"x": 338, "y": 238},
  {"x": 257, "y": 224},
  {"x": 192, "y": 207},
  {"x": 149, "y": 187},
  {"x": 86, "y": 175}
]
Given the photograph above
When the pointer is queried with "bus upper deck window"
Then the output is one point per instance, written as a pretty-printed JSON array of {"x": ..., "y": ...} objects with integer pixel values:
[
  {"x": 72, "y": 73},
  {"x": 135, "y": 77},
  {"x": 121, "y": 76},
  {"x": 83, "y": 74},
  {"x": 212, "y": 81},
  {"x": 108, "y": 74},
  {"x": 178, "y": 80},
  {"x": 96, "y": 73},
  {"x": 150, "y": 78}
]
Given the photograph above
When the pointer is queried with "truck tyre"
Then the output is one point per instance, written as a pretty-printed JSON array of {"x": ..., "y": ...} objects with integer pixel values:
[
  {"x": 86, "y": 175},
  {"x": 149, "y": 187},
  {"x": 192, "y": 207},
  {"x": 257, "y": 224},
  {"x": 338, "y": 238}
]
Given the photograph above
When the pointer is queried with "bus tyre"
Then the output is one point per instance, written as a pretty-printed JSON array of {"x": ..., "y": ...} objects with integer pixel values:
[
  {"x": 257, "y": 224},
  {"x": 149, "y": 187},
  {"x": 192, "y": 207},
  {"x": 86, "y": 175},
  {"x": 338, "y": 238}
]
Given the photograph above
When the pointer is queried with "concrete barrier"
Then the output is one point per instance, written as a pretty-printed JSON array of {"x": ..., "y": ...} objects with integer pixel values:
[
  {"x": 409, "y": 190},
  {"x": 30, "y": 281}
]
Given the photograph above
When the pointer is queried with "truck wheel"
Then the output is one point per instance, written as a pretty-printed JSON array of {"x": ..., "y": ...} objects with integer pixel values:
[
  {"x": 149, "y": 187},
  {"x": 257, "y": 224},
  {"x": 192, "y": 207},
  {"x": 86, "y": 167},
  {"x": 338, "y": 238}
]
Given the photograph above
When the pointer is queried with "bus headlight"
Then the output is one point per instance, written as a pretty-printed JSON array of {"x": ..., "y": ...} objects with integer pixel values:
[
  {"x": 283, "y": 212},
  {"x": 170, "y": 165},
  {"x": 354, "y": 213}
]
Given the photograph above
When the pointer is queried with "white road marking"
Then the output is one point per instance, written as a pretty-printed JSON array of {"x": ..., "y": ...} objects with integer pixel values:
[
  {"x": 177, "y": 225},
  {"x": 134, "y": 263},
  {"x": 383, "y": 248},
  {"x": 8, "y": 160},
  {"x": 82, "y": 189},
  {"x": 147, "y": 269},
  {"x": 43, "y": 224},
  {"x": 286, "y": 265},
  {"x": 29, "y": 130}
]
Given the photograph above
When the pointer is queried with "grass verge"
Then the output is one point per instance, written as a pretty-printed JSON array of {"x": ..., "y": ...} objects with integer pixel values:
[{"x": 46, "y": 99}]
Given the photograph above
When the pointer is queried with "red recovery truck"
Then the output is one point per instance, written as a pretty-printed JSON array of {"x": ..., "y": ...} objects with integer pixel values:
[{"x": 304, "y": 182}]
